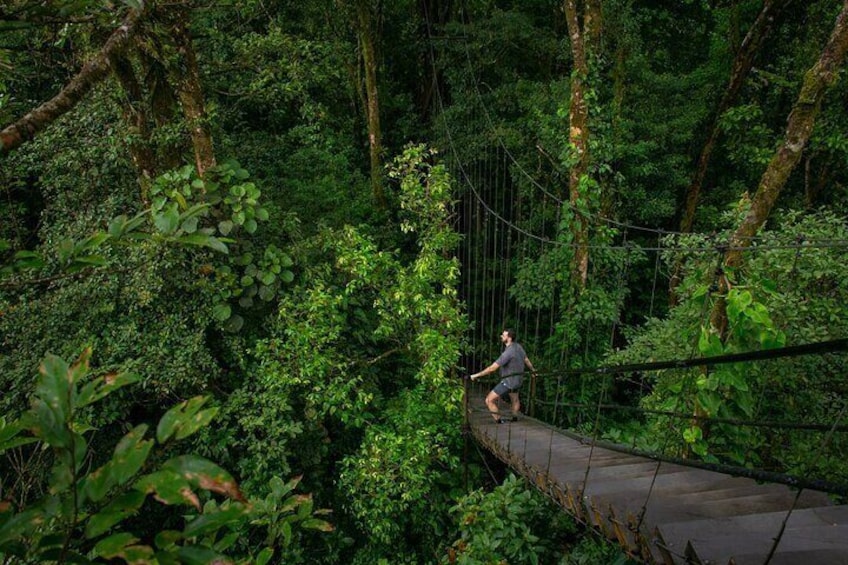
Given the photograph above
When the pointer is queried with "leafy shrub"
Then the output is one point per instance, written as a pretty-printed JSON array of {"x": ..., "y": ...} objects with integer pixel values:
[{"x": 84, "y": 515}]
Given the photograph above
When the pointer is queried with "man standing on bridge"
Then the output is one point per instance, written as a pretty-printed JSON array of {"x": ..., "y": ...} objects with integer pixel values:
[{"x": 511, "y": 364}]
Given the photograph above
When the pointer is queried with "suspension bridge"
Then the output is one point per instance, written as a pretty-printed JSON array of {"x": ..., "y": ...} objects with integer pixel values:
[
  {"x": 699, "y": 451},
  {"x": 748, "y": 504},
  {"x": 704, "y": 459},
  {"x": 748, "y": 499},
  {"x": 665, "y": 511}
]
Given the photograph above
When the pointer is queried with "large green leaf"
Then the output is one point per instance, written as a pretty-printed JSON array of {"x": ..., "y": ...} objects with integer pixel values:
[
  {"x": 210, "y": 522},
  {"x": 54, "y": 387},
  {"x": 136, "y": 554},
  {"x": 9, "y": 435},
  {"x": 116, "y": 226},
  {"x": 184, "y": 419},
  {"x": 130, "y": 454},
  {"x": 205, "y": 474},
  {"x": 102, "y": 386},
  {"x": 280, "y": 489},
  {"x": 234, "y": 324},
  {"x": 222, "y": 311},
  {"x": 19, "y": 524},
  {"x": 92, "y": 242},
  {"x": 205, "y": 240},
  {"x": 116, "y": 511},
  {"x": 168, "y": 220},
  {"x": 98, "y": 482},
  {"x": 168, "y": 487},
  {"x": 111, "y": 546},
  {"x": 264, "y": 556},
  {"x": 709, "y": 343},
  {"x": 62, "y": 555},
  {"x": 317, "y": 524},
  {"x": 199, "y": 555}
]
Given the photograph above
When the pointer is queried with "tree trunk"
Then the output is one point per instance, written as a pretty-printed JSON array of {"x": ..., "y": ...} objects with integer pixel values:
[
  {"x": 583, "y": 39},
  {"x": 17, "y": 133},
  {"x": 742, "y": 65},
  {"x": 186, "y": 81},
  {"x": 135, "y": 116},
  {"x": 365, "y": 29},
  {"x": 798, "y": 130}
]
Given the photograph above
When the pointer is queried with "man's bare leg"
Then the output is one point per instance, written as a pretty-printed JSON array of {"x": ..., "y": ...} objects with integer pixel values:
[
  {"x": 516, "y": 405},
  {"x": 492, "y": 404}
]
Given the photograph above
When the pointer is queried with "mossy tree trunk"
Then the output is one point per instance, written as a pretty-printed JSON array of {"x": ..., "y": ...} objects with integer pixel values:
[
  {"x": 185, "y": 76},
  {"x": 800, "y": 125},
  {"x": 585, "y": 39},
  {"x": 742, "y": 64},
  {"x": 365, "y": 26}
]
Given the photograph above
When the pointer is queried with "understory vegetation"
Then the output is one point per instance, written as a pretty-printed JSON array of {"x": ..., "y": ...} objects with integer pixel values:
[{"x": 249, "y": 250}]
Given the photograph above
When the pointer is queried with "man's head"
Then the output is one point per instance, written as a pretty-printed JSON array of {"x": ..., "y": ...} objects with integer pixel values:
[{"x": 508, "y": 336}]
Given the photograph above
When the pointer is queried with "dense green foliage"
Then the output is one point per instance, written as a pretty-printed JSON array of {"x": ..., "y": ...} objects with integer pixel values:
[
  {"x": 325, "y": 330},
  {"x": 97, "y": 502}
]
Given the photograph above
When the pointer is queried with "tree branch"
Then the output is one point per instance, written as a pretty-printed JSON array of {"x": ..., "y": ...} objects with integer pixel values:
[{"x": 26, "y": 128}]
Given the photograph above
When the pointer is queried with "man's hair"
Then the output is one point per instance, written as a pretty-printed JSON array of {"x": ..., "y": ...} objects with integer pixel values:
[{"x": 510, "y": 332}]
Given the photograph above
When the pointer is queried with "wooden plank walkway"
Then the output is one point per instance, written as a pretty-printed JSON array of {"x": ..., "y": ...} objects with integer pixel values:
[{"x": 666, "y": 513}]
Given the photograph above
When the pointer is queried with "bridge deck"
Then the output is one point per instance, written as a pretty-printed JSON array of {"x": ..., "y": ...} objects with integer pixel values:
[{"x": 688, "y": 515}]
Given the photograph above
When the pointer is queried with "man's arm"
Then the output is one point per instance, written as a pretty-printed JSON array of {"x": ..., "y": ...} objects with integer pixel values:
[
  {"x": 487, "y": 371},
  {"x": 529, "y": 365}
]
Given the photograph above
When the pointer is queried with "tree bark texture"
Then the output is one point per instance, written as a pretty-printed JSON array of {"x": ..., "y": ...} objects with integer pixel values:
[
  {"x": 798, "y": 130},
  {"x": 583, "y": 39},
  {"x": 365, "y": 28},
  {"x": 186, "y": 80},
  {"x": 27, "y": 127}
]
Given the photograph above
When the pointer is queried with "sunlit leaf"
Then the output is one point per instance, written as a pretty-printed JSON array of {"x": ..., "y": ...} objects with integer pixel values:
[
  {"x": 201, "y": 239},
  {"x": 189, "y": 225},
  {"x": 116, "y": 226},
  {"x": 225, "y": 227}
]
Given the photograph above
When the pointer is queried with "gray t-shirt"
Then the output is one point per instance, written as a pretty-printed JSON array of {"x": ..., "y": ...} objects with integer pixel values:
[{"x": 511, "y": 363}]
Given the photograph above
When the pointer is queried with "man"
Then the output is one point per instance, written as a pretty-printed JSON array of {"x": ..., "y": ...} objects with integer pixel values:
[{"x": 511, "y": 364}]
